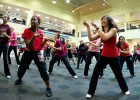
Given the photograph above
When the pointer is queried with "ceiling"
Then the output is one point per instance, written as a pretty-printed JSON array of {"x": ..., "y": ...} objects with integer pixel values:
[{"x": 83, "y": 6}]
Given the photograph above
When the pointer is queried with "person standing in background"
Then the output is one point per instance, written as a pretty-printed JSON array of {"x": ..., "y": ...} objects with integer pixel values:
[
  {"x": 5, "y": 33},
  {"x": 13, "y": 46}
]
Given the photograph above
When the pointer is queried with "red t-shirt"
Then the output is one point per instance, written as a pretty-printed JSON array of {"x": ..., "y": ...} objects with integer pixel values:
[
  {"x": 124, "y": 49},
  {"x": 37, "y": 43},
  {"x": 110, "y": 48}
]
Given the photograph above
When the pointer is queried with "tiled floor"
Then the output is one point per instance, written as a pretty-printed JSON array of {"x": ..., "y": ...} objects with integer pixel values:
[{"x": 65, "y": 87}]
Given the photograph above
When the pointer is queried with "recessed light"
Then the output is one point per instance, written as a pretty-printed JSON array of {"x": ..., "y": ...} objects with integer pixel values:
[
  {"x": 103, "y": 4},
  {"x": 17, "y": 9},
  {"x": 73, "y": 11},
  {"x": 55, "y": 19},
  {"x": 54, "y": 1},
  {"x": 9, "y": 7},
  {"x": 91, "y": 8},
  {"x": 80, "y": 12},
  {"x": 116, "y": 20},
  {"x": 67, "y": 1},
  {"x": 26, "y": 11},
  {"x": 47, "y": 17},
  {"x": 1, "y": 5}
]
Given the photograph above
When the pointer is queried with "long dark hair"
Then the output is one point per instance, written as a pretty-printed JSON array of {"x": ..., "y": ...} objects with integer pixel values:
[
  {"x": 111, "y": 23},
  {"x": 63, "y": 41},
  {"x": 119, "y": 43}
]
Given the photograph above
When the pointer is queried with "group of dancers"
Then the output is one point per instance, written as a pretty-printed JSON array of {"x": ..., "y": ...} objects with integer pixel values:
[{"x": 113, "y": 53}]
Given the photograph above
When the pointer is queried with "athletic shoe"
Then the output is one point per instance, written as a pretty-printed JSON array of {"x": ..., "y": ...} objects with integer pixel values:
[
  {"x": 88, "y": 96},
  {"x": 84, "y": 77},
  {"x": 8, "y": 76},
  {"x": 49, "y": 92},
  {"x": 75, "y": 77},
  {"x": 127, "y": 92},
  {"x": 18, "y": 82}
]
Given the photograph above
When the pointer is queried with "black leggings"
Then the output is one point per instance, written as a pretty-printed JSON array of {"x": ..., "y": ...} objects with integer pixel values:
[
  {"x": 115, "y": 66},
  {"x": 26, "y": 59},
  {"x": 88, "y": 61},
  {"x": 65, "y": 61}
]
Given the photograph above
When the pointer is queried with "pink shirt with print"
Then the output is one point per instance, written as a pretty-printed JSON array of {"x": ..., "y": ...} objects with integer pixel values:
[{"x": 13, "y": 42}]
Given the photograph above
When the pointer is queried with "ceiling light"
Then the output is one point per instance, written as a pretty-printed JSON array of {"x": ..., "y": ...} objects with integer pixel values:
[
  {"x": 55, "y": 19},
  {"x": 26, "y": 11},
  {"x": 116, "y": 20},
  {"x": 47, "y": 17},
  {"x": 91, "y": 8},
  {"x": 9, "y": 7},
  {"x": 103, "y": 4},
  {"x": 38, "y": 14},
  {"x": 73, "y": 11},
  {"x": 67, "y": 1},
  {"x": 1, "y": 5},
  {"x": 17, "y": 9},
  {"x": 54, "y": 1},
  {"x": 63, "y": 22}
]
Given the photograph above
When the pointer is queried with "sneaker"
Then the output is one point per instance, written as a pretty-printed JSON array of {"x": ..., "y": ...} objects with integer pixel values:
[
  {"x": 84, "y": 77},
  {"x": 75, "y": 77},
  {"x": 134, "y": 65},
  {"x": 49, "y": 92},
  {"x": 127, "y": 92},
  {"x": 8, "y": 76},
  {"x": 88, "y": 96},
  {"x": 133, "y": 76},
  {"x": 18, "y": 82},
  {"x": 101, "y": 77},
  {"x": 18, "y": 66}
]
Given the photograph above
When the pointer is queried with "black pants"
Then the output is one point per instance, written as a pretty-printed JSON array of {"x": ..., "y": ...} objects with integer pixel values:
[
  {"x": 129, "y": 63},
  {"x": 65, "y": 61},
  {"x": 15, "y": 52},
  {"x": 26, "y": 59},
  {"x": 88, "y": 61},
  {"x": 79, "y": 59},
  {"x": 4, "y": 50},
  {"x": 115, "y": 66}
]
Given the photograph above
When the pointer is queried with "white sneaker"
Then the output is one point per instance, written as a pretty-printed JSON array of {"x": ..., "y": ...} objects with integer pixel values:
[
  {"x": 134, "y": 65},
  {"x": 127, "y": 92},
  {"x": 8, "y": 76},
  {"x": 75, "y": 76},
  {"x": 88, "y": 96}
]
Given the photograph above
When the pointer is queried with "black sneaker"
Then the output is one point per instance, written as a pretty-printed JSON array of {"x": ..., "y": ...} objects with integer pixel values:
[
  {"x": 49, "y": 92},
  {"x": 18, "y": 82}
]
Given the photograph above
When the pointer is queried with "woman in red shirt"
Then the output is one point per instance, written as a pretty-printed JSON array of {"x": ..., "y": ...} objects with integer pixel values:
[
  {"x": 33, "y": 38},
  {"x": 125, "y": 55},
  {"x": 109, "y": 54}
]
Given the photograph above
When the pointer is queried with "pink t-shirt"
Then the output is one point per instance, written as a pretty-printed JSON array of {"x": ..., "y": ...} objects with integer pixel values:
[
  {"x": 13, "y": 42},
  {"x": 59, "y": 52},
  {"x": 92, "y": 48}
]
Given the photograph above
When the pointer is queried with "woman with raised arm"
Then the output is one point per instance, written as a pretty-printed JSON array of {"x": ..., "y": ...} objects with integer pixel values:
[{"x": 109, "y": 54}]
